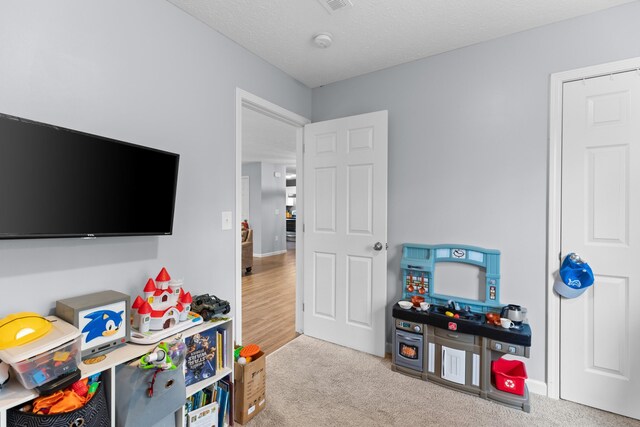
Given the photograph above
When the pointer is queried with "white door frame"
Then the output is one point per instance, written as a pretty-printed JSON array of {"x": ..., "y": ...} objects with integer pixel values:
[
  {"x": 555, "y": 203},
  {"x": 253, "y": 102}
]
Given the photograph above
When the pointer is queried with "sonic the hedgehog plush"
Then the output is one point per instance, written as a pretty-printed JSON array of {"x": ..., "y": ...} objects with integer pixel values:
[{"x": 103, "y": 324}]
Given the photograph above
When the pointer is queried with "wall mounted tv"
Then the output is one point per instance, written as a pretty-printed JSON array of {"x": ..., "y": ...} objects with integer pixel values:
[{"x": 56, "y": 182}]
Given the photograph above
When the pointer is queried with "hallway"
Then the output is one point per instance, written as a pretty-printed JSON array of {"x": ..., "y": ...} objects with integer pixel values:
[{"x": 268, "y": 302}]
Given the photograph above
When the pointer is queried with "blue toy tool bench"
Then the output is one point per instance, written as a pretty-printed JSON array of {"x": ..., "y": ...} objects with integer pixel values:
[{"x": 418, "y": 266}]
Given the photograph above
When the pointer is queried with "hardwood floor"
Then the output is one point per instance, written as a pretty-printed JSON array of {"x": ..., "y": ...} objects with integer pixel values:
[{"x": 268, "y": 302}]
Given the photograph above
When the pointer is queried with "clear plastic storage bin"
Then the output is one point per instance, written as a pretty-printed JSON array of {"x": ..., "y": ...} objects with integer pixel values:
[
  {"x": 51, "y": 356},
  {"x": 47, "y": 366}
]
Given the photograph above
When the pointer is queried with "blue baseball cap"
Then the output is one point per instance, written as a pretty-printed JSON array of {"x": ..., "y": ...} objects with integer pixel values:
[{"x": 576, "y": 277}]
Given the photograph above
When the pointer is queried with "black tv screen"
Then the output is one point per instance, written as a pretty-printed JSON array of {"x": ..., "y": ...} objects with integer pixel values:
[{"x": 56, "y": 182}]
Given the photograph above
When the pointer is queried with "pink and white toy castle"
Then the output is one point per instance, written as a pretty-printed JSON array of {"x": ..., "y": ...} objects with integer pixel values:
[{"x": 164, "y": 304}]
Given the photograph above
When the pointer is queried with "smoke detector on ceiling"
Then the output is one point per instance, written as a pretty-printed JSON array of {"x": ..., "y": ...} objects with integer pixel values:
[
  {"x": 335, "y": 5},
  {"x": 323, "y": 40}
]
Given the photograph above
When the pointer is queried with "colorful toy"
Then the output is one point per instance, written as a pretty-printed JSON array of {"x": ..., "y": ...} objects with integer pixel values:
[
  {"x": 249, "y": 350},
  {"x": 80, "y": 387},
  {"x": 167, "y": 355},
  {"x": 101, "y": 317},
  {"x": 207, "y": 306},
  {"x": 158, "y": 359},
  {"x": 164, "y": 305}
]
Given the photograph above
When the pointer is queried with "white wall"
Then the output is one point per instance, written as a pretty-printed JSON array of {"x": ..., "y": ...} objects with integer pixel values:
[
  {"x": 468, "y": 145},
  {"x": 144, "y": 72}
]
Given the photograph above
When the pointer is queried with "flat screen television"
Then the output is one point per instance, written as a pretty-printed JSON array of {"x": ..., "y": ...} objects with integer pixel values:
[{"x": 57, "y": 182}]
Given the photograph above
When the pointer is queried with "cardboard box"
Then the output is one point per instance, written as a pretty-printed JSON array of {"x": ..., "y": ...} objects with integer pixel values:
[{"x": 250, "y": 384}]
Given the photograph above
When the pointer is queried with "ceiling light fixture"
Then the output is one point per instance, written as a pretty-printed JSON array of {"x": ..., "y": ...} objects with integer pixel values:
[{"x": 323, "y": 40}]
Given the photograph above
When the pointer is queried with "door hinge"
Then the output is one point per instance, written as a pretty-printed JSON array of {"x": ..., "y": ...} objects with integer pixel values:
[
  {"x": 304, "y": 148},
  {"x": 302, "y": 306},
  {"x": 303, "y": 228}
]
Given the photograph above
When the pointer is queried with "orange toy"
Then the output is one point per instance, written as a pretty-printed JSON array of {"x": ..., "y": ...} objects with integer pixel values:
[{"x": 249, "y": 350}]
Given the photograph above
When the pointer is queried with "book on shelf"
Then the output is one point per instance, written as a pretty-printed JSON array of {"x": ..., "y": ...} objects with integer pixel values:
[
  {"x": 204, "y": 356},
  {"x": 223, "y": 401},
  {"x": 206, "y": 416},
  {"x": 218, "y": 393}
]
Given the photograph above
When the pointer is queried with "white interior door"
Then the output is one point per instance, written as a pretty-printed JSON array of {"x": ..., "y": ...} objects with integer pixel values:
[
  {"x": 345, "y": 200},
  {"x": 600, "y": 330}
]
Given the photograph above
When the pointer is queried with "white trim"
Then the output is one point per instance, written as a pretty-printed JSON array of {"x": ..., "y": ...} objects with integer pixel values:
[
  {"x": 554, "y": 204},
  {"x": 537, "y": 387},
  {"x": 299, "y": 227},
  {"x": 246, "y": 99},
  {"x": 270, "y": 254}
]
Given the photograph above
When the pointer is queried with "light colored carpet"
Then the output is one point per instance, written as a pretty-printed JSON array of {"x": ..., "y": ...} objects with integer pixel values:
[{"x": 315, "y": 383}]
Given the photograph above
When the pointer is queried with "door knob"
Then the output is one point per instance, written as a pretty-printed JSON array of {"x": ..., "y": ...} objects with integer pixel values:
[{"x": 377, "y": 246}]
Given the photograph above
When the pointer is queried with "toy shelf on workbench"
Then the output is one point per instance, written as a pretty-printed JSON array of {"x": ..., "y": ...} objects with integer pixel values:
[{"x": 14, "y": 394}]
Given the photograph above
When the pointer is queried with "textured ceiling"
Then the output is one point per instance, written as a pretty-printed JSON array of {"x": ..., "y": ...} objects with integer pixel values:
[
  {"x": 373, "y": 34},
  {"x": 265, "y": 139}
]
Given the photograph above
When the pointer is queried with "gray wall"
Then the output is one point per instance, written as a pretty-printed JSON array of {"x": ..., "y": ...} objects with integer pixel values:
[
  {"x": 254, "y": 172},
  {"x": 468, "y": 145},
  {"x": 267, "y": 193},
  {"x": 144, "y": 72},
  {"x": 273, "y": 197}
]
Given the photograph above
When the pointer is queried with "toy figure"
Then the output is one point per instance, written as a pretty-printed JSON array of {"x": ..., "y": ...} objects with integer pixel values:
[{"x": 158, "y": 358}]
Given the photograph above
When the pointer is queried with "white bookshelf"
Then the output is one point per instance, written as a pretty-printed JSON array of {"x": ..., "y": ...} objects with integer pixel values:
[{"x": 14, "y": 394}]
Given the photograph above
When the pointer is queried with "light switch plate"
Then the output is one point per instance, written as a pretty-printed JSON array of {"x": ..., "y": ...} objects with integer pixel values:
[
  {"x": 277, "y": 211},
  {"x": 226, "y": 220}
]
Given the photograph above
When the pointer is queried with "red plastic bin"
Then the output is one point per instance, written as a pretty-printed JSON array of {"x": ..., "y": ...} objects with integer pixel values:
[{"x": 509, "y": 375}]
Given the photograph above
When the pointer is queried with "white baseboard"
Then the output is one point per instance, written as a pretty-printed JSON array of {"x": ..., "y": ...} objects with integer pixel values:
[
  {"x": 270, "y": 254},
  {"x": 537, "y": 387}
]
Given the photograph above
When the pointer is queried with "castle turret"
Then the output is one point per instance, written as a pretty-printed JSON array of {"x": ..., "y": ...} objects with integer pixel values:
[
  {"x": 149, "y": 290},
  {"x": 185, "y": 300},
  {"x": 145, "y": 316},
  {"x": 137, "y": 303},
  {"x": 175, "y": 286},
  {"x": 162, "y": 281}
]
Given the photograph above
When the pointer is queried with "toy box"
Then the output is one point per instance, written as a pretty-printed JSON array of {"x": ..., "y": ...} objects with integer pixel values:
[
  {"x": 510, "y": 375},
  {"x": 250, "y": 383},
  {"x": 47, "y": 358}
]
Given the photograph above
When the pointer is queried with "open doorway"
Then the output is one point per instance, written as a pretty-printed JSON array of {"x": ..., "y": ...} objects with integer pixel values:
[{"x": 268, "y": 291}]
